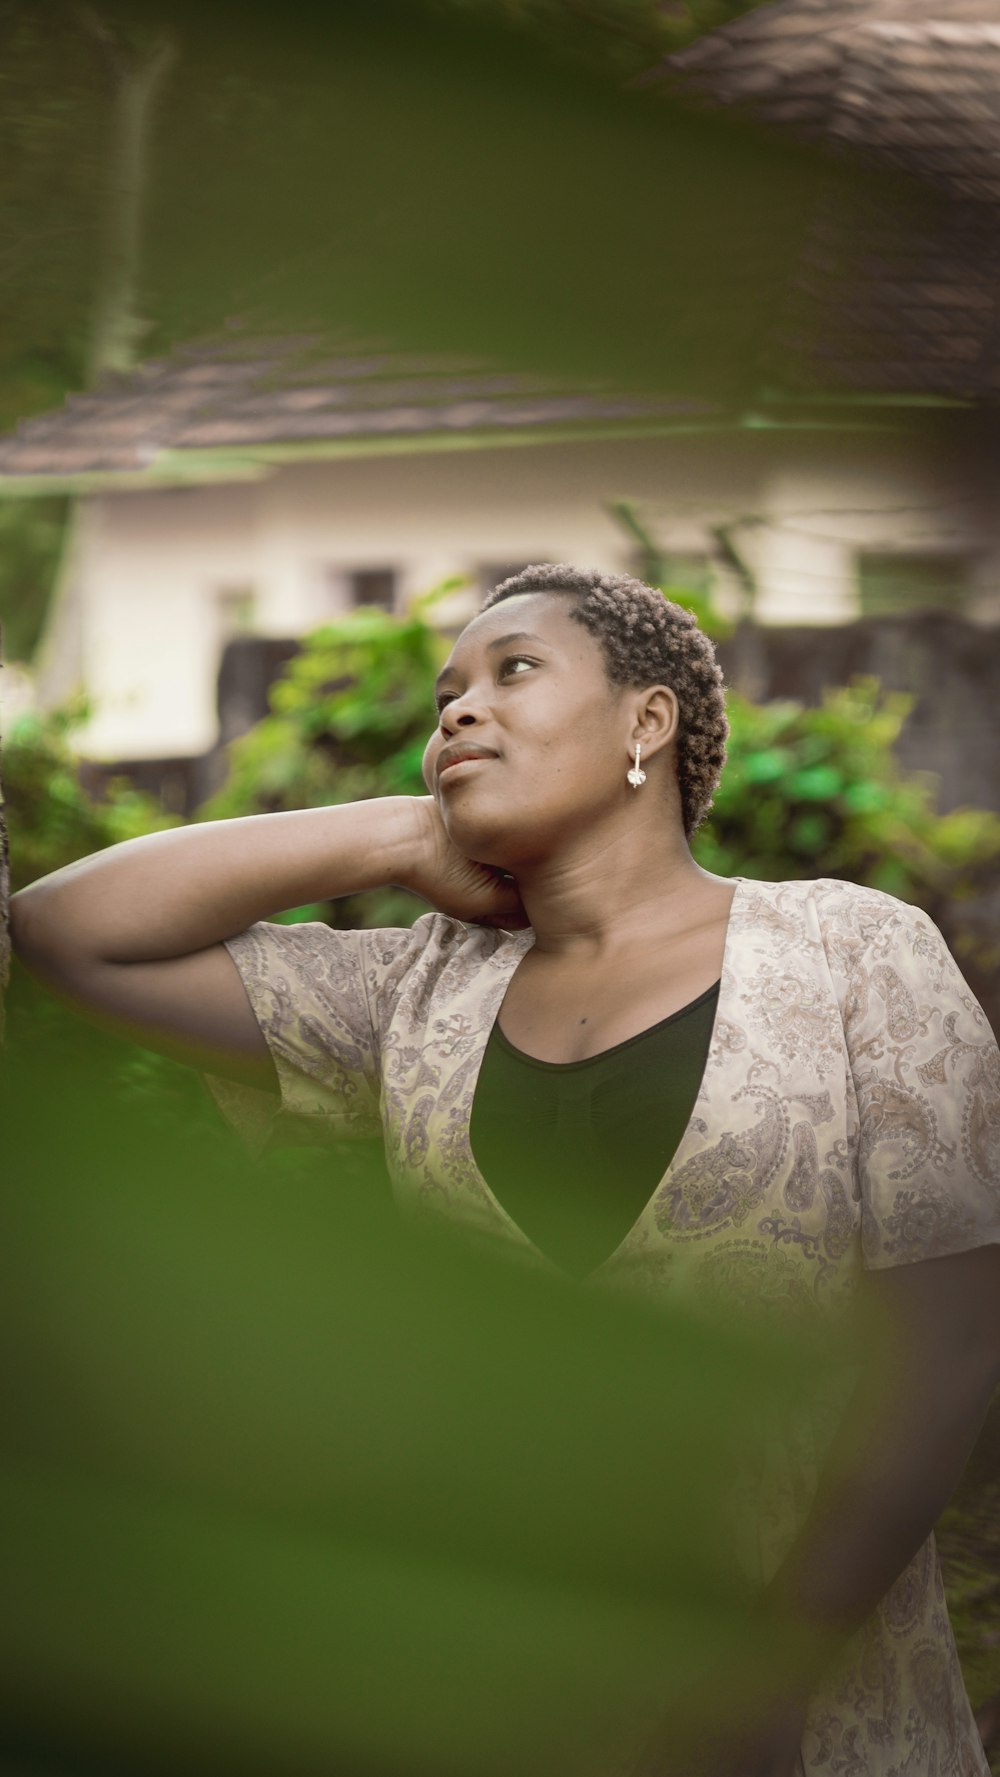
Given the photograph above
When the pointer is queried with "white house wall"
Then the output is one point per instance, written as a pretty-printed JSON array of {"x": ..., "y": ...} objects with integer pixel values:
[
  {"x": 151, "y": 647},
  {"x": 801, "y": 504},
  {"x": 835, "y": 499}
]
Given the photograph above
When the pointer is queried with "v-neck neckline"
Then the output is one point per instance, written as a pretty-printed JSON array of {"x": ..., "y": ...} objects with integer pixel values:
[{"x": 519, "y": 950}]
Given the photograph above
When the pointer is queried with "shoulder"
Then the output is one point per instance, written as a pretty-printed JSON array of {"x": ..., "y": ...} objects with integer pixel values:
[
  {"x": 859, "y": 920},
  {"x": 435, "y": 936},
  {"x": 848, "y": 907},
  {"x": 314, "y": 950},
  {"x": 823, "y": 909},
  {"x": 436, "y": 948},
  {"x": 875, "y": 941},
  {"x": 853, "y": 925}
]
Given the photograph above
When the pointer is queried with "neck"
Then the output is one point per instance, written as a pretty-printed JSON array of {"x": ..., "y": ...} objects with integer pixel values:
[{"x": 597, "y": 894}]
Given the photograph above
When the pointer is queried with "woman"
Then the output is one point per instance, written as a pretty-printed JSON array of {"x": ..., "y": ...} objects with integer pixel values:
[{"x": 627, "y": 1068}]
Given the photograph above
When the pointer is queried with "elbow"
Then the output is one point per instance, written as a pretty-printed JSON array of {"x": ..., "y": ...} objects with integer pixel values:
[
  {"x": 21, "y": 923},
  {"x": 33, "y": 926},
  {"x": 36, "y": 943}
]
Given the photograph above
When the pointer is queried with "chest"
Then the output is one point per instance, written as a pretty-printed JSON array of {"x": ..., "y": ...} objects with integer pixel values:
[
  {"x": 762, "y": 1181},
  {"x": 563, "y": 1012}
]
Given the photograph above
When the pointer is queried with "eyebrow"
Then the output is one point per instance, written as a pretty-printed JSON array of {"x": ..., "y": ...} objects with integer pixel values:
[{"x": 516, "y": 635}]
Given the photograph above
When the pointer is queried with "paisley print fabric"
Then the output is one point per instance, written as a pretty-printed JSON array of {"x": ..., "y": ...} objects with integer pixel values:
[{"x": 848, "y": 1117}]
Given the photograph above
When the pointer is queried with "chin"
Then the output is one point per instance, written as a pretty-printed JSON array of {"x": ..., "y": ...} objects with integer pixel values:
[{"x": 485, "y": 839}]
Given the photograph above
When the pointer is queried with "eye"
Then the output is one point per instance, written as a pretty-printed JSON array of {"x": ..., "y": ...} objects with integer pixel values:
[{"x": 506, "y": 665}]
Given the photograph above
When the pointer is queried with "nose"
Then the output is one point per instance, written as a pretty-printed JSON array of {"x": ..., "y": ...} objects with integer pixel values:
[{"x": 461, "y": 712}]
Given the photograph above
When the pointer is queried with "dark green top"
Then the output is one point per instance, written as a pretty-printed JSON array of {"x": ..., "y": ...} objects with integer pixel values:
[{"x": 574, "y": 1150}]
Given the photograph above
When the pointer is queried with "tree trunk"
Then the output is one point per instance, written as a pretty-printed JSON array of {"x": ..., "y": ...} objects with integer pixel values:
[
  {"x": 138, "y": 76},
  {"x": 117, "y": 329}
]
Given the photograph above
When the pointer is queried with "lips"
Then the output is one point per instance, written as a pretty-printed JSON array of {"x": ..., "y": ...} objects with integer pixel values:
[{"x": 455, "y": 756}]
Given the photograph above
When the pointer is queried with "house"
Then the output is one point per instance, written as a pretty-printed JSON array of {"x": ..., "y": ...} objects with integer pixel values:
[{"x": 251, "y": 483}]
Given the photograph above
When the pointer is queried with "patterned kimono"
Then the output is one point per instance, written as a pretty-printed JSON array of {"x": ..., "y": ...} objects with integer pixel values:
[{"x": 848, "y": 1117}]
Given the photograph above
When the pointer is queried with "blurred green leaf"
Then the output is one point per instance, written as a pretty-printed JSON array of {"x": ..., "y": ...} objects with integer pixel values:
[
  {"x": 290, "y": 1486},
  {"x": 815, "y": 784},
  {"x": 767, "y": 767}
]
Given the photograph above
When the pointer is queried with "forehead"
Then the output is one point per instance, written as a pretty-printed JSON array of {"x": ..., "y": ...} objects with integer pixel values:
[{"x": 544, "y": 614}]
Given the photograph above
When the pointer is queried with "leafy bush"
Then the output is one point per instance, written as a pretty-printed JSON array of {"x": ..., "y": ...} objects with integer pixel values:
[
  {"x": 51, "y": 820},
  {"x": 350, "y": 717},
  {"x": 820, "y": 792},
  {"x": 31, "y": 539}
]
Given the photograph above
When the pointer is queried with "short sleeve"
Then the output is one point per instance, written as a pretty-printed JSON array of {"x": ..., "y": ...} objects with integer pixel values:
[
  {"x": 926, "y": 1071},
  {"x": 308, "y": 990}
]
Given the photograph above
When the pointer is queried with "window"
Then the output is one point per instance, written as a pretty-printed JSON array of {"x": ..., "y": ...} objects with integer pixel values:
[
  {"x": 372, "y": 586},
  {"x": 235, "y": 611},
  {"x": 691, "y": 572},
  {"x": 891, "y": 582},
  {"x": 688, "y": 570}
]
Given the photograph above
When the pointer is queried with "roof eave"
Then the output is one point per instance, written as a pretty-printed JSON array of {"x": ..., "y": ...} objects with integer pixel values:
[{"x": 255, "y": 462}]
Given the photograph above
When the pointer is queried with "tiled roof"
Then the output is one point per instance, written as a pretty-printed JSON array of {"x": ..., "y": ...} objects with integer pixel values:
[
  {"x": 898, "y": 283},
  {"x": 926, "y": 99},
  {"x": 784, "y": 62},
  {"x": 238, "y": 392}
]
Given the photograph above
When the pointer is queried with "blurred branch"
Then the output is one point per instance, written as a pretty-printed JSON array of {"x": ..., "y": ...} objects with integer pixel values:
[
  {"x": 653, "y": 559},
  {"x": 734, "y": 559},
  {"x": 138, "y": 74}
]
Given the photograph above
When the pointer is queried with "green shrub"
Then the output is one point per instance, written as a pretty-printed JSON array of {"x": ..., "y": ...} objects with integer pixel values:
[
  {"x": 32, "y": 532},
  {"x": 820, "y": 792},
  {"x": 349, "y": 719},
  {"x": 51, "y": 820}
]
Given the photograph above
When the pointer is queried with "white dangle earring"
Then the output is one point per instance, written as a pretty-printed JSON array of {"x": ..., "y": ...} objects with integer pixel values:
[{"x": 635, "y": 776}]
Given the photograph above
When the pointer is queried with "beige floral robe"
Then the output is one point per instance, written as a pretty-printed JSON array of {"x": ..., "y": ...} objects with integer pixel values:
[{"x": 848, "y": 1117}]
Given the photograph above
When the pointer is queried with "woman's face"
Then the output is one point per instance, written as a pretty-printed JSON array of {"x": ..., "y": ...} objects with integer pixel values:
[{"x": 525, "y": 689}]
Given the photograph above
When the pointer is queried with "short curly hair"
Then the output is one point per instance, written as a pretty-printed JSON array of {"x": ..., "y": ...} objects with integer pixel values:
[{"x": 646, "y": 639}]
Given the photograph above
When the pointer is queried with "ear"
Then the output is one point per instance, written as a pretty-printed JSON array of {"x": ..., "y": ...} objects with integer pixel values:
[{"x": 656, "y": 720}]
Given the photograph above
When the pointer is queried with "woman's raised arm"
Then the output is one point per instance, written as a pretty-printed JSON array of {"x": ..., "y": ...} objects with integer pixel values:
[
  {"x": 133, "y": 937},
  {"x": 168, "y": 894}
]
